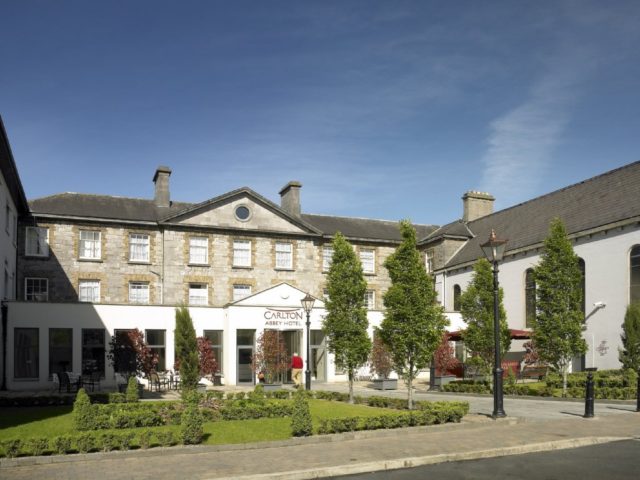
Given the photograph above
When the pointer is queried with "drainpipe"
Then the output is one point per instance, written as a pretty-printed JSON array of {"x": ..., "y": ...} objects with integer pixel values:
[{"x": 5, "y": 314}]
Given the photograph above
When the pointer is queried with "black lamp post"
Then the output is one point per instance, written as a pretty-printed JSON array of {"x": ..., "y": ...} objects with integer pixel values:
[
  {"x": 307, "y": 305},
  {"x": 494, "y": 250}
]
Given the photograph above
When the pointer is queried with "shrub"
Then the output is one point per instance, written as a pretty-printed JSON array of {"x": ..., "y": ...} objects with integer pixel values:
[
  {"x": 11, "y": 448},
  {"x": 132, "y": 390},
  {"x": 144, "y": 438},
  {"x": 217, "y": 394},
  {"x": 257, "y": 396},
  {"x": 240, "y": 395},
  {"x": 124, "y": 440},
  {"x": 83, "y": 412},
  {"x": 191, "y": 426},
  {"x": 301, "y": 424},
  {"x": 85, "y": 442},
  {"x": 165, "y": 438},
  {"x": 37, "y": 445},
  {"x": 246, "y": 411},
  {"x": 61, "y": 444}
]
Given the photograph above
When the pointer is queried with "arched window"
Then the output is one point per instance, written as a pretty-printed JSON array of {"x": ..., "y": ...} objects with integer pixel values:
[
  {"x": 634, "y": 268},
  {"x": 457, "y": 291},
  {"x": 530, "y": 297},
  {"x": 583, "y": 285}
]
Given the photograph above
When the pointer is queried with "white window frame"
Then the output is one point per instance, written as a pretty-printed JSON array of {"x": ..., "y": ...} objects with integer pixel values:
[
  {"x": 428, "y": 261},
  {"x": 240, "y": 291},
  {"x": 139, "y": 247},
  {"x": 198, "y": 294},
  {"x": 42, "y": 295},
  {"x": 198, "y": 250},
  {"x": 89, "y": 290},
  {"x": 284, "y": 256},
  {"x": 327, "y": 257},
  {"x": 370, "y": 300},
  {"x": 36, "y": 242},
  {"x": 92, "y": 246},
  {"x": 368, "y": 260},
  {"x": 139, "y": 292},
  {"x": 242, "y": 253}
]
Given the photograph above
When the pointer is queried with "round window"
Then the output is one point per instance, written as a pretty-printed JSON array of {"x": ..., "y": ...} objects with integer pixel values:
[{"x": 243, "y": 213}]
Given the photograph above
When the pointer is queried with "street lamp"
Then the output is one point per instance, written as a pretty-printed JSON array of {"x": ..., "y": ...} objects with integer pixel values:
[
  {"x": 307, "y": 305},
  {"x": 494, "y": 250}
]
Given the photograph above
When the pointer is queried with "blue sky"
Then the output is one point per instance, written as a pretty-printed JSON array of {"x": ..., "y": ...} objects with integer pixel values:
[{"x": 381, "y": 109}]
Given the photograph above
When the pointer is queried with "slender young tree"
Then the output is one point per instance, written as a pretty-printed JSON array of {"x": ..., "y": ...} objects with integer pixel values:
[
  {"x": 413, "y": 322},
  {"x": 346, "y": 322},
  {"x": 476, "y": 307},
  {"x": 186, "y": 349},
  {"x": 629, "y": 354},
  {"x": 557, "y": 330}
]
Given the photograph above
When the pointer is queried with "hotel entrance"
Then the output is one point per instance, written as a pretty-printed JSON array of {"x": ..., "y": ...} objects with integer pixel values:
[
  {"x": 293, "y": 343},
  {"x": 245, "y": 340}
]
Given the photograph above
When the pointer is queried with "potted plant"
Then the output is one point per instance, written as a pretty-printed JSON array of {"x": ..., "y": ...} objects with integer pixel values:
[
  {"x": 270, "y": 359},
  {"x": 444, "y": 360},
  {"x": 208, "y": 363},
  {"x": 381, "y": 365},
  {"x": 130, "y": 355}
]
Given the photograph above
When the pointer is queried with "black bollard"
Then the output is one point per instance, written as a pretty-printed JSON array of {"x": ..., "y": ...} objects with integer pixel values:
[
  {"x": 638, "y": 393},
  {"x": 589, "y": 394}
]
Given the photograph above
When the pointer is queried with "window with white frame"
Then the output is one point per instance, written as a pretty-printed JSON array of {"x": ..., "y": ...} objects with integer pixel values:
[
  {"x": 36, "y": 289},
  {"x": 241, "y": 291},
  {"x": 156, "y": 340},
  {"x": 139, "y": 292},
  {"x": 198, "y": 294},
  {"x": 327, "y": 258},
  {"x": 428, "y": 261},
  {"x": 90, "y": 245},
  {"x": 199, "y": 250},
  {"x": 138, "y": 247},
  {"x": 370, "y": 300},
  {"x": 37, "y": 241},
  {"x": 325, "y": 293},
  {"x": 89, "y": 291},
  {"x": 242, "y": 253},
  {"x": 284, "y": 255},
  {"x": 368, "y": 260}
]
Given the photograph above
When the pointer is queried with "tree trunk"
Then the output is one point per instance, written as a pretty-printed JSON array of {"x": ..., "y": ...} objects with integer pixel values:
[
  {"x": 350, "y": 385},
  {"x": 410, "y": 386},
  {"x": 565, "y": 374}
]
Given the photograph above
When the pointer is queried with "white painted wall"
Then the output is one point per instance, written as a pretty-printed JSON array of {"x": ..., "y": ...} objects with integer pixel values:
[{"x": 606, "y": 257}]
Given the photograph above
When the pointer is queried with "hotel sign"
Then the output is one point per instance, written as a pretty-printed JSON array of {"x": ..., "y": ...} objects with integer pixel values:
[{"x": 283, "y": 318}]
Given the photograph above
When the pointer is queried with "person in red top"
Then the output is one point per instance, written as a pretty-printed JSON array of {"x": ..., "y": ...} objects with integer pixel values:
[{"x": 296, "y": 369}]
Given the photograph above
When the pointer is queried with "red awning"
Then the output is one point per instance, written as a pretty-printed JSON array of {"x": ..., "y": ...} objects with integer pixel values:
[{"x": 515, "y": 335}]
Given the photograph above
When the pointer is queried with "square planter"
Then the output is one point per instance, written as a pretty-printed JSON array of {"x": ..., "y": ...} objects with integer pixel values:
[
  {"x": 443, "y": 380},
  {"x": 385, "y": 383},
  {"x": 271, "y": 387}
]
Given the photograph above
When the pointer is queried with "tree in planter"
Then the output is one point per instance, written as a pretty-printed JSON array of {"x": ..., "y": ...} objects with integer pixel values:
[
  {"x": 130, "y": 355},
  {"x": 346, "y": 323},
  {"x": 413, "y": 321},
  {"x": 629, "y": 354},
  {"x": 444, "y": 356},
  {"x": 271, "y": 357},
  {"x": 186, "y": 349},
  {"x": 380, "y": 358},
  {"x": 207, "y": 360},
  {"x": 557, "y": 329},
  {"x": 476, "y": 307}
]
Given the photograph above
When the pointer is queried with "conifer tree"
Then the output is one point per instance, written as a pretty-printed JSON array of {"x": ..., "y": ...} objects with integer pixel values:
[
  {"x": 476, "y": 308},
  {"x": 186, "y": 349},
  {"x": 413, "y": 322},
  {"x": 629, "y": 354},
  {"x": 346, "y": 322},
  {"x": 559, "y": 319}
]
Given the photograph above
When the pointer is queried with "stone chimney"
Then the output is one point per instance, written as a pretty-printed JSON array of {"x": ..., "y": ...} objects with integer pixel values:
[
  {"x": 161, "y": 181},
  {"x": 290, "y": 198},
  {"x": 476, "y": 205}
]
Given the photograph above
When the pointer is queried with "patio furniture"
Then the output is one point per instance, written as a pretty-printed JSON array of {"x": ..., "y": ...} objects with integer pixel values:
[
  {"x": 160, "y": 383},
  {"x": 92, "y": 380},
  {"x": 66, "y": 383}
]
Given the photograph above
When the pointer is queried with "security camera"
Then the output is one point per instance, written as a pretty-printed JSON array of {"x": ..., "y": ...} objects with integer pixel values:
[{"x": 599, "y": 304}]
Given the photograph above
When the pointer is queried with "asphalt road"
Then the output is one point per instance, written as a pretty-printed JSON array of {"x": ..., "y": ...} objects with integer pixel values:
[{"x": 611, "y": 461}]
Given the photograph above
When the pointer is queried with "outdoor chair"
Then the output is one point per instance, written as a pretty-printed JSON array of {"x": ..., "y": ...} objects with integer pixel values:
[
  {"x": 157, "y": 382},
  {"x": 66, "y": 384},
  {"x": 91, "y": 380}
]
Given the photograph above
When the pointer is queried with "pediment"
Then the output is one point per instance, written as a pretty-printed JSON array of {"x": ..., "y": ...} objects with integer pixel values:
[
  {"x": 241, "y": 210},
  {"x": 282, "y": 295}
]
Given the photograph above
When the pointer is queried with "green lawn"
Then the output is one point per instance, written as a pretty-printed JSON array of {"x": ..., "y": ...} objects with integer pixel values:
[{"x": 27, "y": 422}]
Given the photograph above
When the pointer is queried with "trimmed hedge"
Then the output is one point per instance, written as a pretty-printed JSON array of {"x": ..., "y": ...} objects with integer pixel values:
[
  {"x": 601, "y": 379},
  {"x": 430, "y": 414}
]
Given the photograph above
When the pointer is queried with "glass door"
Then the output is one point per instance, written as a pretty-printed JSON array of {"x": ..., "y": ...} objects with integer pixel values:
[
  {"x": 292, "y": 341},
  {"x": 245, "y": 342},
  {"x": 318, "y": 356}
]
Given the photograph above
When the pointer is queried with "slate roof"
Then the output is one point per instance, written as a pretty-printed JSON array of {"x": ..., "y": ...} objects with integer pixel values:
[
  {"x": 136, "y": 209},
  {"x": 103, "y": 207},
  {"x": 362, "y": 227},
  {"x": 603, "y": 200},
  {"x": 456, "y": 229},
  {"x": 10, "y": 172}
]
